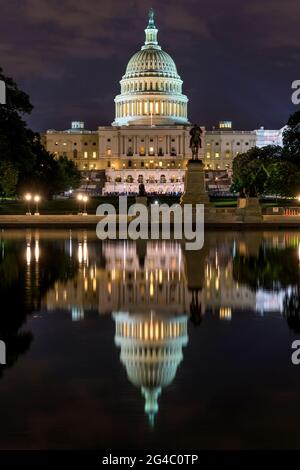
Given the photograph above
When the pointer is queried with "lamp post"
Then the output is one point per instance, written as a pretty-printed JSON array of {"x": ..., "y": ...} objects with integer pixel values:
[
  {"x": 85, "y": 200},
  {"x": 28, "y": 198},
  {"x": 79, "y": 199},
  {"x": 37, "y": 199}
]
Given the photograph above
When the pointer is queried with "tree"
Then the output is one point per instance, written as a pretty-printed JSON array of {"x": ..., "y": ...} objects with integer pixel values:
[
  {"x": 68, "y": 175},
  {"x": 8, "y": 179},
  {"x": 291, "y": 139},
  {"x": 250, "y": 169},
  {"x": 283, "y": 179},
  {"x": 34, "y": 167}
]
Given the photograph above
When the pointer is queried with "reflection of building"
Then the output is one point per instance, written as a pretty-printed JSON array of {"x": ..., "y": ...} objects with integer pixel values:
[
  {"x": 148, "y": 142},
  {"x": 151, "y": 351}
]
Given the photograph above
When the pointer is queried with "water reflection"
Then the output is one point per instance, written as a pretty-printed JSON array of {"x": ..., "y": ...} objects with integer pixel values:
[
  {"x": 151, "y": 350},
  {"x": 151, "y": 289}
]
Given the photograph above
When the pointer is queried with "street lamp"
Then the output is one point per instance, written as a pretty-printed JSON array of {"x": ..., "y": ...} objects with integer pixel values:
[
  {"x": 79, "y": 199},
  {"x": 28, "y": 198},
  {"x": 85, "y": 200},
  {"x": 37, "y": 199}
]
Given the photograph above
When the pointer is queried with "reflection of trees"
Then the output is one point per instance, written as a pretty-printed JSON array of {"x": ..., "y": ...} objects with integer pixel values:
[
  {"x": 22, "y": 286},
  {"x": 291, "y": 309},
  {"x": 272, "y": 269}
]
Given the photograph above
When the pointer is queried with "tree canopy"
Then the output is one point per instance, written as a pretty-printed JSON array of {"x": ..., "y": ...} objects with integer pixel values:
[
  {"x": 29, "y": 165},
  {"x": 271, "y": 170}
]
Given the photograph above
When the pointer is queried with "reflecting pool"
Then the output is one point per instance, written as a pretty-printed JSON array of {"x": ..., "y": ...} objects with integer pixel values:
[{"x": 141, "y": 344}]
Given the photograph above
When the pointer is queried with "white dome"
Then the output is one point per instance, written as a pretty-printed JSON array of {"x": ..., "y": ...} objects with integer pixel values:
[
  {"x": 151, "y": 89},
  {"x": 151, "y": 63}
]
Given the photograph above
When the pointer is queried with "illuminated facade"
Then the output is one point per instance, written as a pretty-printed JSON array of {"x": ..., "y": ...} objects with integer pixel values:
[{"x": 148, "y": 141}]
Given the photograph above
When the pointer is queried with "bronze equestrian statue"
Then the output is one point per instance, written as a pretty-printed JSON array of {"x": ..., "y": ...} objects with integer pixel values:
[{"x": 195, "y": 141}]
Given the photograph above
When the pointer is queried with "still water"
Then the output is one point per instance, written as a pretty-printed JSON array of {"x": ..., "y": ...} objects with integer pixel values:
[{"x": 143, "y": 345}]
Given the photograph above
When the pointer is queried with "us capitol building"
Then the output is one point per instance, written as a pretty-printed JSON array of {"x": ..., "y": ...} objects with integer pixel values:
[{"x": 148, "y": 141}]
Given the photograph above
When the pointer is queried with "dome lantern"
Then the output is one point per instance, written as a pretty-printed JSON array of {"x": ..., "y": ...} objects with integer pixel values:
[{"x": 151, "y": 32}]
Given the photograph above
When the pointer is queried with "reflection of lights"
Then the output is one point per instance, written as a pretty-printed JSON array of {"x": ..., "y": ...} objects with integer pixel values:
[
  {"x": 109, "y": 288},
  {"x": 77, "y": 314},
  {"x": 94, "y": 284},
  {"x": 80, "y": 257},
  {"x": 28, "y": 254},
  {"x": 37, "y": 251},
  {"x": 299, "y": 251},
  {"x": 225, "y": 313},
  {"x": 151, "y": 290},
  {"x": 217, "y": 283}
]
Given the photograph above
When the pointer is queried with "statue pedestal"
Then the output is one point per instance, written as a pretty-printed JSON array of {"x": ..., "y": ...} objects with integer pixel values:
[
  {"x": 194, "y": 184},
  {"x": 141, "y": 200},
  {"x": 249, "y": 209}
]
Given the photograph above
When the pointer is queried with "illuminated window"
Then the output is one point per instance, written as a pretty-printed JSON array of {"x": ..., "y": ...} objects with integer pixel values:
[
  {"x": 108, "y": 151},
  {"x": 207, "y": 154},
  {"x": 217, "y": 155},
  {"x": 160, "y": 163},
  {"x": 65, "y": 143},
  {"x": 85, "y": 155},
  {"x": 94, "y": 154},
  {"x": 151, "y": 150}
]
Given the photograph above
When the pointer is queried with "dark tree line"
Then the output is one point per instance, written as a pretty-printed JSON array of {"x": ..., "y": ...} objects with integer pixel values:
[{"x": 25, "y": 164}]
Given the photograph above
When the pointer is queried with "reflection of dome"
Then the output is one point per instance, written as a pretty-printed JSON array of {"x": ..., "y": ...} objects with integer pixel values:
[
  {"x": 151, "y": 351},
  {"x": 151, "y": 89}
]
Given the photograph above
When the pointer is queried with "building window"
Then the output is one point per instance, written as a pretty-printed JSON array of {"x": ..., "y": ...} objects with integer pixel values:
[
  {"x": 238, "y": 143},
  {"x": 108, "y": 151},
  {"x": 85, "y": 143},
  {"x": 75, "y": 153},
  {"x": 94, "y": 154},
  {"x": 142, "y": 164},
  {"x": 217, "y": 155},
  {"x": 129, "y": 163},
  {"x": 75, "y": 143},
  {"x": 129, "y": 152},
  {"x": 160, "y": 152},
  {"x": 94, "y": 143},
  {"x": 246, "y": 143},
  {"x": 108, "y": 140},
  {"x": 140, "y": 179},
  {"x": 151, "y": 150},
  {"x": 85, "y": 155},
  {"x": 207, "y": 154},
  {"x": 108, "y": 164},
  {"x": 173, "y": 152},
  {"x": 142, "y": 151}
]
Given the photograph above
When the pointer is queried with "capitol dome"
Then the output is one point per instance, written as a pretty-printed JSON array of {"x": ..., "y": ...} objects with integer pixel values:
[{"x": 151, "y": 89}]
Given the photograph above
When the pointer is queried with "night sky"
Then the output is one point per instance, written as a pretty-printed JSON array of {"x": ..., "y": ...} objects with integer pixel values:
[{"x": 237, "y": 58}]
